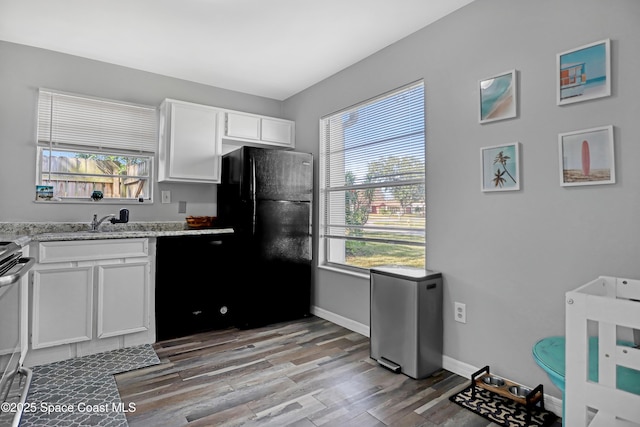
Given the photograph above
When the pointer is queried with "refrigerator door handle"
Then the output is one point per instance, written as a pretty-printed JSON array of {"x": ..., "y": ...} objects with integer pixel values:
[{"x": 252, "y": 192}]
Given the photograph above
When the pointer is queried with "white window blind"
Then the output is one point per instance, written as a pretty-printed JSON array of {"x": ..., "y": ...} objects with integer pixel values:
[
  {"x": 372, "y": 165},
  {"x": 69, "y": 120}
]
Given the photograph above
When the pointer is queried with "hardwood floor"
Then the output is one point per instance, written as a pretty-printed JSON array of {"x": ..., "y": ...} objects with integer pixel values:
[{"x": 305, "y": 373}]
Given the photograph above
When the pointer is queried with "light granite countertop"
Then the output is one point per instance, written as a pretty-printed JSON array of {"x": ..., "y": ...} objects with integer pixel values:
[{"x": 24, "y": 232}]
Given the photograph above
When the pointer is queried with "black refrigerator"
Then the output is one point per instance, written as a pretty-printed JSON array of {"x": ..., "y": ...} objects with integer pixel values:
[{"x": 266, "y": 197}]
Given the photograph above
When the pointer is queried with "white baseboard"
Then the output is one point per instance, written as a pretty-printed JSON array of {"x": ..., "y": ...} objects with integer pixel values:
[
  {"x": 463, "y": 369},
  {"x": 341, "y": 321}
]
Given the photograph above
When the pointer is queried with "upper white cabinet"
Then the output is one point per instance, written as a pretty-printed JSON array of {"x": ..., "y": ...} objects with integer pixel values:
[
  {"x": 253, "y": 129},
  {"x": 243, "y": 126},
  {"x": 190, "y": 147}
]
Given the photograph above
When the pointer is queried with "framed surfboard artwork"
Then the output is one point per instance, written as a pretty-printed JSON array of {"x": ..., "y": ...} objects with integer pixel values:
[
  {"x": 498, "y": 97},
  {"x": 587, "y": 157},
  {"x": 500, "y": 167},
  {"x": 583, "y": 73}
]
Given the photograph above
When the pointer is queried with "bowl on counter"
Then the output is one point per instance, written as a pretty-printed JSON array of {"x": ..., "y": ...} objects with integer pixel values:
[{"x": 197, "y": 222}]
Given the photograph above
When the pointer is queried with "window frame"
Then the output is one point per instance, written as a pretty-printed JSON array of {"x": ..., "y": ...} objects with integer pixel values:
[
  {"x": 325, "y": 238},
  {"x": 150, "y": 159}
]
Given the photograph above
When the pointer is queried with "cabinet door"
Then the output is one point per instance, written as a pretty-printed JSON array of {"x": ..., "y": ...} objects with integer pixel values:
[
  {"x": 242, "y": 126},
  {"x": 123, "y": 298},
  {"x": 256, "y": 130},
  {"x": 192, "y": 149},
  {"x": 278, "y": 131},
  {"x": 62, "y": 306}
]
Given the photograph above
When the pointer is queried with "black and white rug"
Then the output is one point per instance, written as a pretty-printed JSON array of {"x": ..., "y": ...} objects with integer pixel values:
[
  {"x": 501, "y": 410},
  {"x": 82, "y": 391}
]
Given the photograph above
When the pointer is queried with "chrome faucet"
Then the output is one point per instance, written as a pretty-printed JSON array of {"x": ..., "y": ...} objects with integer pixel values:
[{"x": 122, "y": 218}]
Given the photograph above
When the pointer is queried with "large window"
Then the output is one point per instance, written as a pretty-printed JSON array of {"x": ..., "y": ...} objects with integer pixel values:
[
  {"x": 372, "y": 178},
  {"x": 87, "y": 144}
]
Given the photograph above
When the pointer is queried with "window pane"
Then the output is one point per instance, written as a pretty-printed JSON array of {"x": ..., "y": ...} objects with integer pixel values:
[
  {"x": 365, "y": 254},
  {"x": 78, "y": 174},
  {"x": 367, "y": 213}
]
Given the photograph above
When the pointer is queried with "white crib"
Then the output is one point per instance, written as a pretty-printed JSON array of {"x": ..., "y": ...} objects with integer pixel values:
[{"x": 601, "y": 312}]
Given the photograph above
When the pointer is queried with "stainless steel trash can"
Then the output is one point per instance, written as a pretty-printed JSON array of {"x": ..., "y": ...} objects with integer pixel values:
[{"x": 406, "y": 320}]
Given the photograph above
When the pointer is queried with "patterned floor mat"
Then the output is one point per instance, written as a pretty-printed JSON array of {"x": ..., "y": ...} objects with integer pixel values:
[
  {"x": 502, "y": 411},
  {"x": 82, "y": 391}
]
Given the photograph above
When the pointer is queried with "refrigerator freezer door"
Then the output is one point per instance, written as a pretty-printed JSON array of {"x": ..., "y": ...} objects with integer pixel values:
[{"x": 279, "y": 175}]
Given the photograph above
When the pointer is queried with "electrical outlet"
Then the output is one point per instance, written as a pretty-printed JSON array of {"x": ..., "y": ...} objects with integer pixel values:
[
  {"x": 166, "y": 196},
  {"x": 460, "y": 312}
]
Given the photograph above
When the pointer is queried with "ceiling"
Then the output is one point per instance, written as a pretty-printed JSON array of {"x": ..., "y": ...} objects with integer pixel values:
[{"x": 270, "y": 48}]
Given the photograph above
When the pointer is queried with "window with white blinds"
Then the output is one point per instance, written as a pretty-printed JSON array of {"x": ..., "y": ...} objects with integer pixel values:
[
  {"x": 372, "y": 167},
  {"x": 88, "y": 145},
  {"x": 74, "y": 120}
]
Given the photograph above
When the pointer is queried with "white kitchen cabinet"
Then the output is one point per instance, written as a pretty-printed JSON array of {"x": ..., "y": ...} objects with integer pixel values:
[
  {"x": 90, "y": 296},
  {"x": 62, "y": 306},
  {"x": 243, "y": 126},
  {"x": 123, "y": 295},
  {"x": 253, "y": 129},
  {"x": 189, "y": 149}
]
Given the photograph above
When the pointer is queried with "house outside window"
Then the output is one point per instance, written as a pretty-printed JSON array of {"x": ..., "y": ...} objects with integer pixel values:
[
  {"x": 88, "y": 146},
  {"x": 372, "y": 183}
]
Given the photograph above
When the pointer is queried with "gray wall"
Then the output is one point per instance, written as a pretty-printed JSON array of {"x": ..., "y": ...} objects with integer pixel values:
[
  {"x": 509, "y": 256},
  {"x": 24, "y": 69}
]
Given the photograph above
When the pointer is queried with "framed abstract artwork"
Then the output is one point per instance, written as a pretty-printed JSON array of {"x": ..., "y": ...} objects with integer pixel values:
[
  {"x": 498, "y": 97},
  {"x": 501, "y": 167},
  {"x": 584, "y": 73},
  {"x": 587, "y": 157}
]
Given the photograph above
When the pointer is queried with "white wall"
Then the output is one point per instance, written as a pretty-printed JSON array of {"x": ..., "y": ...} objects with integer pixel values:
[
  {"x": 24, "y": 69},
  {"x": 509, "y": 256}
]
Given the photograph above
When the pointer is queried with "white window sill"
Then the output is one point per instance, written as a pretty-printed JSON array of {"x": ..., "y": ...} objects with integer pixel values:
[
  {"x": 345, "y": 271},
  {"x": 91, "y": 202}
]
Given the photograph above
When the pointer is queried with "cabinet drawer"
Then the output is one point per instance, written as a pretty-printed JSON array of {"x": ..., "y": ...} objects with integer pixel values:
[{"x": 86, "y": 250}]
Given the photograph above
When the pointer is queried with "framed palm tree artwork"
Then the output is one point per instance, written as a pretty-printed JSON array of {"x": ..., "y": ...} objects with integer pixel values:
[{"x": 501, "y": 167}]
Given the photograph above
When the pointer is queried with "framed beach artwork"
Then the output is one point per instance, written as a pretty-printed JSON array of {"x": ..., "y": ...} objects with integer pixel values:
[
  {"x": 586, "y": 157},
  {"x": 498, "y": 97},
  {"x": 501, "y": 167},
  {"x": 584, "y": 73}
]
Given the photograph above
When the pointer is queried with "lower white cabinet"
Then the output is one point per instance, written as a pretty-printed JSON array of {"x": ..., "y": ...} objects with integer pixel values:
[
  {"x": 62, "y": 309},
  {"x": 83, "y": 304},
  {"x": 123, "y": 299}
]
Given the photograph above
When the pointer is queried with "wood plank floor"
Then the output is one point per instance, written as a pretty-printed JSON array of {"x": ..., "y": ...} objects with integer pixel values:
[{"x": 305, "y": 373}]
